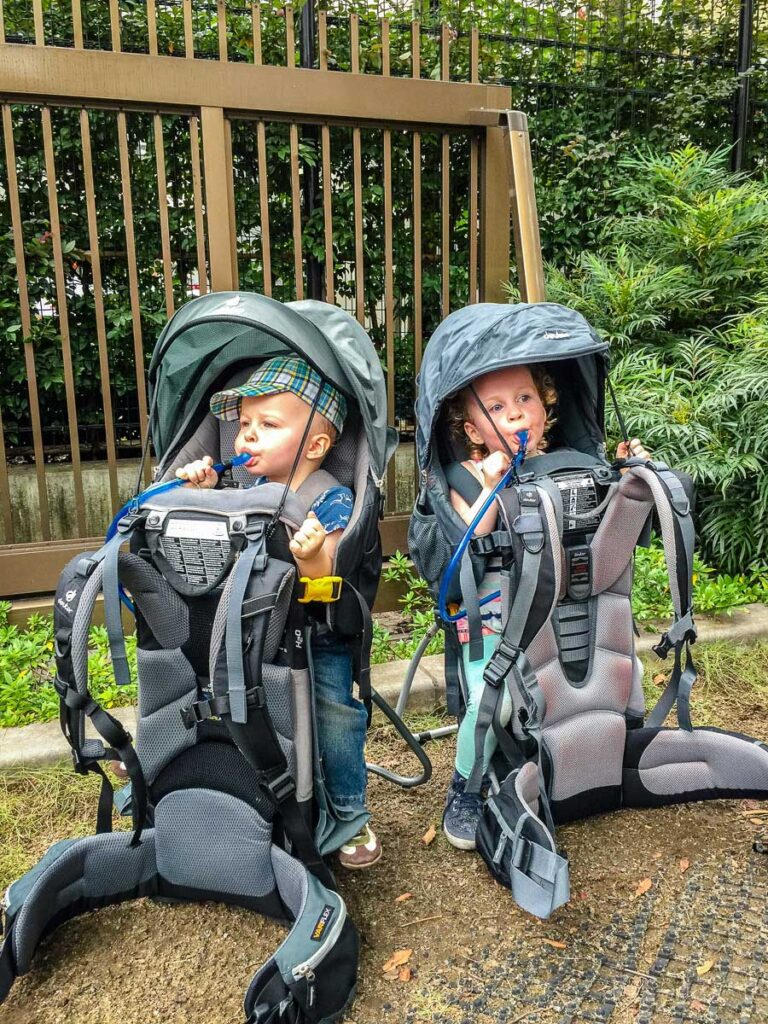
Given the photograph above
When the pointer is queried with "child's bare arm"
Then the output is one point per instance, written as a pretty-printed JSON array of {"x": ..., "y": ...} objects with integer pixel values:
[
  {"x": 492, "y": 469},
  {"x": 313, "y": 548},
  {"x": 199, "y": 473}
]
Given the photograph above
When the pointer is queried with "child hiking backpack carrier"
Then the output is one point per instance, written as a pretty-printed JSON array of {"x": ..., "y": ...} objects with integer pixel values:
[
  {"x": 226, "y": 791},
  {"x": 563, "y": 689}
]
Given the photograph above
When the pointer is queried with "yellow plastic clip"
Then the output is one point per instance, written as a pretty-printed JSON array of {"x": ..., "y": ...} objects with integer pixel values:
[{"x": 325, "y": 589}]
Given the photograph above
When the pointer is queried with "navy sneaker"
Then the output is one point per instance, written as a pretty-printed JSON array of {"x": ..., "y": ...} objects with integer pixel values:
[{"x": 461, "y": 815}]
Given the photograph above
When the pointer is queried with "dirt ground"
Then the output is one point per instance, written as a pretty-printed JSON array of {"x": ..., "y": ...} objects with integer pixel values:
[{"x": 667, "y": 923}]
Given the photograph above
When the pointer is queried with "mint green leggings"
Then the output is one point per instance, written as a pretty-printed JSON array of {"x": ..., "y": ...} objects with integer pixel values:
[{"x": 465, "y": 741}]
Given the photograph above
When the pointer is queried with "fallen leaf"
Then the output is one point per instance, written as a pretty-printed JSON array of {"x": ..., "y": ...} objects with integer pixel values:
[
  {"x": 402, "y": 898},
  {"x": 659, "y": 679},
  {"x": 404, "y": 974},
  {"x": 391, "y": 975},
  {"x": 705, "y": 968},
  {"x": 697, "y": 1006},
  {"x": 554, "y": 943},
  {"x": 642, "y": 888},
  {"x": 429, "y": 835},
  {"x": 684, "y": 865},
  {"x": 756, "y": 821},
  {"x": 398, "y": 958}
]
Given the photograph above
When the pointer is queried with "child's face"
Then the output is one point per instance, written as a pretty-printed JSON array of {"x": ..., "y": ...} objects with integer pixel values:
[
  {"x": 271, "y": 429},
  {"x": 512, "y": 401}
]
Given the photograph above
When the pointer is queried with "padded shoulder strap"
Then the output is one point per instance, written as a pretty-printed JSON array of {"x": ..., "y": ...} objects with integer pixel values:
[
  {"x": 315, "y": 485},
  {"x": 463, "y": 482}
]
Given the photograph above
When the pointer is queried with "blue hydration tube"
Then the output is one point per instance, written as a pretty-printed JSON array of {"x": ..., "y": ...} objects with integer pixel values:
[
  {"x": 445, "y": 615},
  {"x": 152, "y": 492}
]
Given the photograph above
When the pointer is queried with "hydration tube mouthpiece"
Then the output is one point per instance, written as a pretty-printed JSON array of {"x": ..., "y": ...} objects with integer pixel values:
[{"x": 522, "y": 439}]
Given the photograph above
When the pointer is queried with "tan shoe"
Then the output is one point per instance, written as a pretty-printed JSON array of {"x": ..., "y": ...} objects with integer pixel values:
[{"x": 362, "y": 850}]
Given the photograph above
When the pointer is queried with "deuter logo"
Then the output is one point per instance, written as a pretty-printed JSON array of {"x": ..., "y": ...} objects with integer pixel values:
[
  {"x": 555, "y": 335},
  {"x": 63, "y": 602},
  {"x": 70, "y": 595}
]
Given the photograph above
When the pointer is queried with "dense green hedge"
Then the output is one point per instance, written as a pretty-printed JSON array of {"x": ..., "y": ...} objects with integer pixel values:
[{"x": 595, "y": 80}]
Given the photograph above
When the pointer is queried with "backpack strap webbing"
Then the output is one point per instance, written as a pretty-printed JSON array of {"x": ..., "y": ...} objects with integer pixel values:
[
  {"x": 79, "y": 586},
  {"x": 242, "y": 703}
]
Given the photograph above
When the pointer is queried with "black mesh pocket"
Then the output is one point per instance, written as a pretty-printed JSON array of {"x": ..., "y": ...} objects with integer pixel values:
[{"x": 428, "y": 546}]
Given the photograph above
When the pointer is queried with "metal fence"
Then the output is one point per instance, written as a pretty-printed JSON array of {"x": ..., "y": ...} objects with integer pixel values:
[{"x": 163, "y": 178}]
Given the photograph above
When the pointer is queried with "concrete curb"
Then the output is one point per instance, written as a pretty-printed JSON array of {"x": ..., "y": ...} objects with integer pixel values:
[{"x": 39, "y": 744}]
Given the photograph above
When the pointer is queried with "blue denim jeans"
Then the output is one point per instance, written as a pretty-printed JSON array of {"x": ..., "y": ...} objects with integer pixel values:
[{"x": 342, "y": 722}]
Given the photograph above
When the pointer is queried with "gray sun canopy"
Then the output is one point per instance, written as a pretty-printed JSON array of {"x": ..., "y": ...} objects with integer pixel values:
[
  {"x": 210, "y": 336},
  {"x": 487, "y": 336}
]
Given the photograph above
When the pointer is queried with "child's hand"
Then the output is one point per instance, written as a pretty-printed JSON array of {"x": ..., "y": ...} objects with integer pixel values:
[
  {"x": 308, "y": 539},
  {"x": 634, "y": 449},
  {"x": 493, "y": 467},
  {"x": 199, "y": 473}
]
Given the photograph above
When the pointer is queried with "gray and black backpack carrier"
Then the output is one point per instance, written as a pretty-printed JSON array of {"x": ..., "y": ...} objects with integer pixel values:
[
  {"x": 563, "y": 690},
  {"x": 226, "y": 791}
]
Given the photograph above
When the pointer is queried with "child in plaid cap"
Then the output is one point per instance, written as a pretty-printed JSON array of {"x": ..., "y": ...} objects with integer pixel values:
[{"x": 272, "y": 407}]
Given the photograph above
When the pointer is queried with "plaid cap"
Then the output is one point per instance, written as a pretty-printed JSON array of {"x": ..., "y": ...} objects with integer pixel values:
[{"x": 275, "y": 377}]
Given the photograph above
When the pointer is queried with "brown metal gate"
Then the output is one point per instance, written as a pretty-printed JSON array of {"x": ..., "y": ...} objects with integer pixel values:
[{"x": 202, "y": 102}]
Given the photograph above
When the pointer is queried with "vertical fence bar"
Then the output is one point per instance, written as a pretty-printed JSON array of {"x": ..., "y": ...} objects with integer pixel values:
[
  {"x": 221, "y": 19},
  {"x": 473, "y": 162},
  {"x": 266, "y": 248},
  {"x": 524, "y": 216},
  {"x": 162, "y": 202},
  {"x": 133, "y": 280},
  {"x": 389, "y": 288},
  {"x": 494, "y": 217},
  {"x": 197, "y": 193},
  {"x": 2, "y": 23},
  {"x": 231, "y": 203},
  {"x": 77, "y": 24},
  {"x": 98, "y": 301},
  {"x": 114, "y": 25},
  {"x": 325, "y": 147},
  {"x": 37, "y": 10},
  {"x": 417, "y": 298},
  {"x": 445, "y": 184},
  {"x": 357, "y": 179},
  {"x": 256, "y": 27},
  {"x": 298, "y": 259},
  {"x": 290, "y": 37},
  {"x": 189, "y": 35},
  {"x": 293, "y": 134},
  {"x": 26, "y": 322},
  {"x": 61, "y": 305},
  {"x": 218, "y": 172},
  {"x": 152, "y": 27}
]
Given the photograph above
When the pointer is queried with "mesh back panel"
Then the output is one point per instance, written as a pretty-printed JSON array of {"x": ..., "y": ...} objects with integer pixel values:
[
  {"x": 111, "y": 865},
  {"x": 607, "y": 687},
  {"x": 277, "y": 619},
  {"x": 165, "y": 612},
  {"x": 167, "y": 683},
  {"x": 213, "y": 764},
  {"x": 212, "y": 841},
  {"x": 613, "y": 623},
  {"x": 291, "y": 880},
  {"x": 587, "y": 752},
  {"x": 277, "y": 683}
]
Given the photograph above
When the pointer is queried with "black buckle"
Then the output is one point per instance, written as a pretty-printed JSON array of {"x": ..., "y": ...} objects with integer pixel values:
[
  {"x": 483, "y": 546},
  {"x": 501, "y": 661},
  {"x": 196, "y": 713},
  {"x": 282, "y": 787},
  {"x": 665, "y": 645}
]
